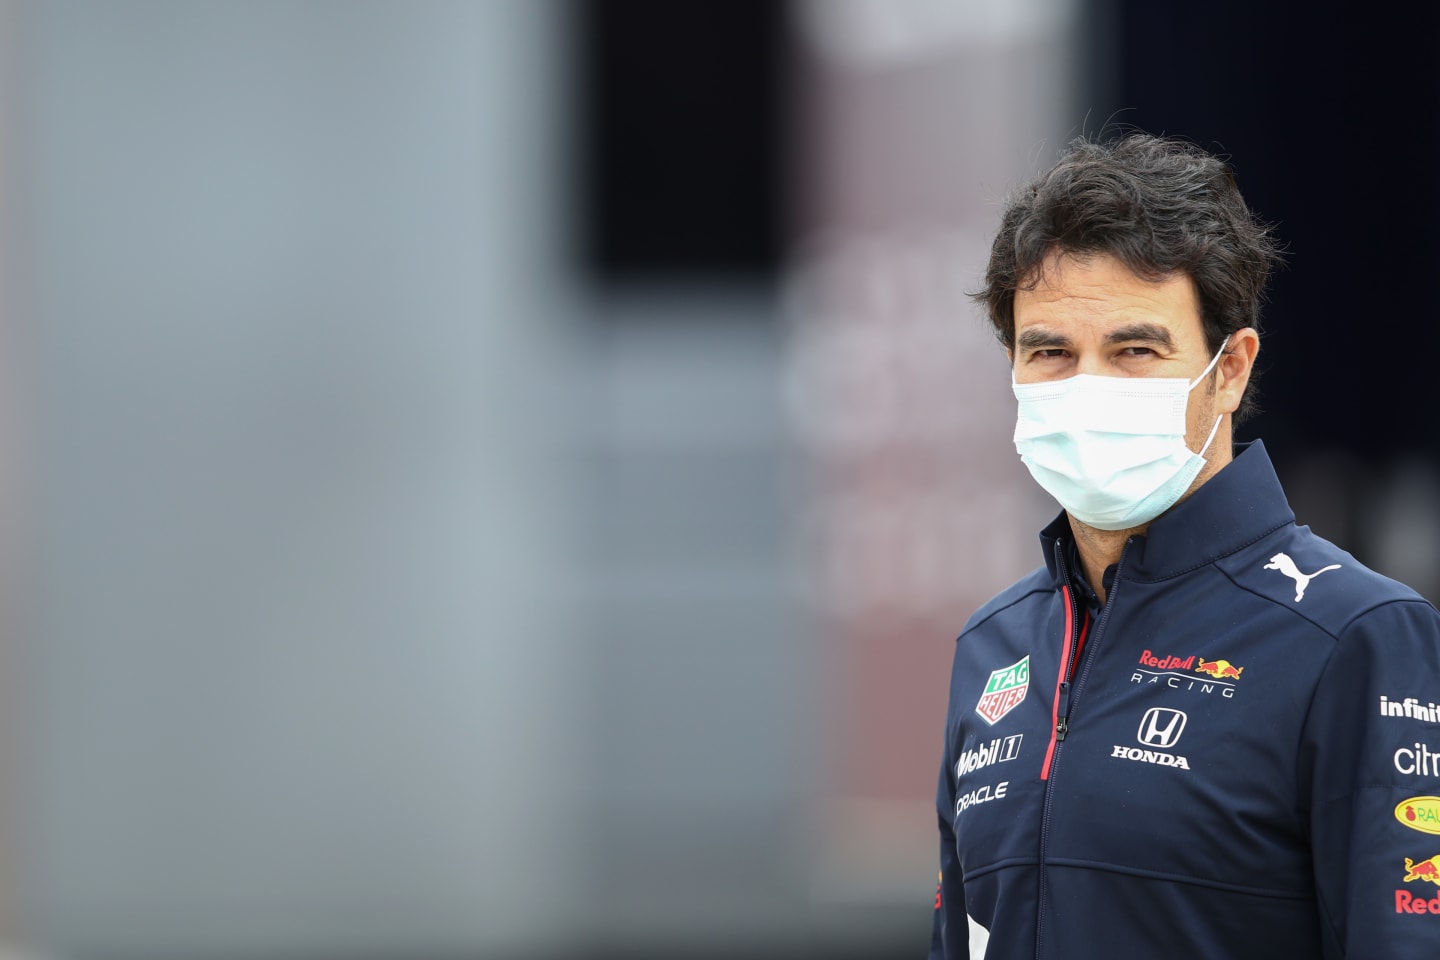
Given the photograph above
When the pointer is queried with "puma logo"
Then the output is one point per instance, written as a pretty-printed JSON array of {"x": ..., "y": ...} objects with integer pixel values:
[{"x": 1285, "y": 565}]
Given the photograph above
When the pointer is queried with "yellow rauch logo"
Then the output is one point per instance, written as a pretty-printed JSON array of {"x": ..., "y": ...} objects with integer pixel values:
[{"x": 1420, "y": 813}]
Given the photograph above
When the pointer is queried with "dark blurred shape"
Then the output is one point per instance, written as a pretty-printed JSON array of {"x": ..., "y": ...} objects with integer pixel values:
[
  {"x": 1331, "y": 119},
  {"x": 682, "y": 111}
]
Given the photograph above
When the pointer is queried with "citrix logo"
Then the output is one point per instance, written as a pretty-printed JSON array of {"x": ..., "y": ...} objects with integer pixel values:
[{"x": 1420, "y": 760}]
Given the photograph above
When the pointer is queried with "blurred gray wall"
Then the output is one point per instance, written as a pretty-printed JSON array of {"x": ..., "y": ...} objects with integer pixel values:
[
  {"x": 392, "y": 593},
  {"x": 296, "y": 339},
  {"x": 700, "y": 671},
  {"x": 13, "y": 550}
]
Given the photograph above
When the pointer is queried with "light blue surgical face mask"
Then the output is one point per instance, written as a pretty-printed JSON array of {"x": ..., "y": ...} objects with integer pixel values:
[{"x": 1110, "y": 449}]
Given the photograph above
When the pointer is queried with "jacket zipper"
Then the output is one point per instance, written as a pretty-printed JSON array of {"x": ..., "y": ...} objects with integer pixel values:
[
  {"x": 1077, "y": 623},
  {"x": 1065, "y": 680}
]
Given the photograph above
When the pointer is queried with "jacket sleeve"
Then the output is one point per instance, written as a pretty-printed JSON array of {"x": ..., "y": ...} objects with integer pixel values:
[
  {"x": 949, "y": 934},
  {"x": 1362, "y": 764}
]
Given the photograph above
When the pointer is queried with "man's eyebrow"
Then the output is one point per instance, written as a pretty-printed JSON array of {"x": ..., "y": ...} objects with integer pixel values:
[
  {"x": 1143, "y": 333},
  {"x": 1041, "y": 339}
]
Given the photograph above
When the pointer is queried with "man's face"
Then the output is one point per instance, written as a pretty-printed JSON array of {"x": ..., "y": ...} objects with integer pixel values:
[{"x": 1095, "y": 316}]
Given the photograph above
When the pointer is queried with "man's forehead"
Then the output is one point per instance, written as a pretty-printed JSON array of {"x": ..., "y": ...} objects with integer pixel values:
[
  {"x": 1093, "y": 274},
  {"x": 1099, "y": 294}
]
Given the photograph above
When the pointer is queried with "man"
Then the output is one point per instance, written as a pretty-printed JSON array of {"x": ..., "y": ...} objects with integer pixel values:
[{"x": 1199, "y": 730}]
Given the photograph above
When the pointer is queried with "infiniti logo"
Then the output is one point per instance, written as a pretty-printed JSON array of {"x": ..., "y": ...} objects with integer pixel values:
[{"x": 1161, "y": 727}]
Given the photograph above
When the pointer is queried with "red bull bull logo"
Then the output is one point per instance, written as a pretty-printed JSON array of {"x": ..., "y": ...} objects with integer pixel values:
[
  {"x": 1406, "y": 901},
  {"x": 1424, "y": 870},
  {"x": 1420, "y": 813},
  {"x": 1220, "y": 669}
]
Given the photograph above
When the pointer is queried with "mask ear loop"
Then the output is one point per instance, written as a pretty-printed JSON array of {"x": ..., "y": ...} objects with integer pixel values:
[
  {"x": 1214, "y": 429},
  {"x": 1213, "y": 360}
]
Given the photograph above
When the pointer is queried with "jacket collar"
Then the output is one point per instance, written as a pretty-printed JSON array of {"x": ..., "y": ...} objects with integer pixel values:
[{"x": 1234, "y": 508}]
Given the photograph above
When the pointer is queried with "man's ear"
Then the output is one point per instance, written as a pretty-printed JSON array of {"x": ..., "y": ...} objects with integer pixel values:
[{"x": 1234, "y": 368}]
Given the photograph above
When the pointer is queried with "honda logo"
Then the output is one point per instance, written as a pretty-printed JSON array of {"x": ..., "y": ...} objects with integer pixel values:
[{"x": 1161, "y": 727}]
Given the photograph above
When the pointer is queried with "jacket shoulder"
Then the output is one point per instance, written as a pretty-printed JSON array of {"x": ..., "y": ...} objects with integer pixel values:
[
  {"x": 1308, "y": 574},
  {"x": 1037, "y": 581}
]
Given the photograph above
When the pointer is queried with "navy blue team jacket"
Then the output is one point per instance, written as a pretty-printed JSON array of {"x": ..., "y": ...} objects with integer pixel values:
[{"x": 1239, "y": 757}]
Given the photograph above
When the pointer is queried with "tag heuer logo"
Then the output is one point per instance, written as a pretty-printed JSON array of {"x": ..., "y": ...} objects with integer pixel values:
[{"x": 1004, "y": 691}]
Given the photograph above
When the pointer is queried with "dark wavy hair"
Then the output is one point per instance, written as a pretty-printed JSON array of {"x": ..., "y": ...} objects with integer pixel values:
[{"x": 1158, "y": 205}]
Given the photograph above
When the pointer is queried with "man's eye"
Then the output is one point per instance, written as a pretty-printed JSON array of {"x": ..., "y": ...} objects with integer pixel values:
[
  {"x": 1050, "y": 353},
  {"x": 1138, "y": 352}
]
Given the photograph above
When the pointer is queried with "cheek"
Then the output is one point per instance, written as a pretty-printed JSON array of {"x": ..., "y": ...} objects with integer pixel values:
[{"x": 1200, "y": 416}]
